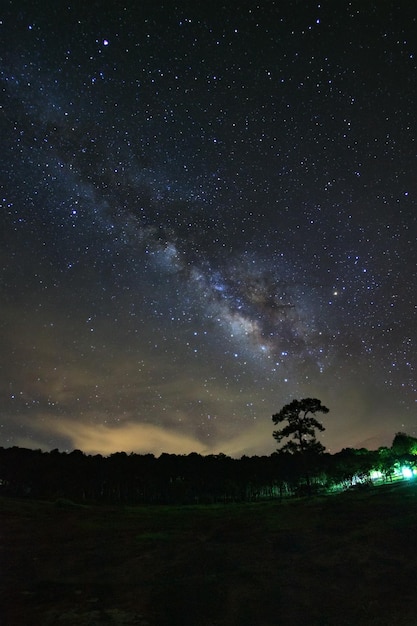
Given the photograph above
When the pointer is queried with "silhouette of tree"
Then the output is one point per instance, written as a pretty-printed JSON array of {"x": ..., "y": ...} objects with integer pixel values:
[
  {"x": 351, "y": 465},
  {"x": 404, "y": 444},
  {"x": 301, "y": 425},
  {"x": 300, "y": 430},
  {"x": 404, "y": 449},
  {"x": 386, "y": 462}
]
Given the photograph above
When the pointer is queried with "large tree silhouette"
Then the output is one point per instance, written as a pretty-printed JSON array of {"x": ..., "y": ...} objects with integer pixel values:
[{"x": 300, "y": 431}]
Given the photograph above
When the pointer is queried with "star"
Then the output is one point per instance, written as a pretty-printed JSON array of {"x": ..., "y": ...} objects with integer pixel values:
[{"x": 205, "y": 214}]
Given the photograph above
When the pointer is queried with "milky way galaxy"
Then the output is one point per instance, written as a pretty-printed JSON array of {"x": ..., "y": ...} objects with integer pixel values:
[{"x": 205, "y": 214}]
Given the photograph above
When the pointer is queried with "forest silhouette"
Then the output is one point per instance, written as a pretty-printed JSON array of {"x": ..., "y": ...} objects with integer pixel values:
[{"x": 123, "y": 478}]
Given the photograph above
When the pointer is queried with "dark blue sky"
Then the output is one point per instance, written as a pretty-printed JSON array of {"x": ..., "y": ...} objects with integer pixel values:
[{"x": 206, "y": 212}]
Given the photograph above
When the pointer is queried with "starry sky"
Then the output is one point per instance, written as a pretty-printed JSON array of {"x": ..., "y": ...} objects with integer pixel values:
[{"x": 207, "y": 210}]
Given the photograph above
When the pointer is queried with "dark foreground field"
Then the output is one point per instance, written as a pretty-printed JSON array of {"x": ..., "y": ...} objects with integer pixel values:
[{"x": 341, "y": 560}]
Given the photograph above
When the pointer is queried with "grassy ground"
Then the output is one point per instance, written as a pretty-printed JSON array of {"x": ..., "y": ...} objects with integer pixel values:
[{"x": 347, "y": 559}]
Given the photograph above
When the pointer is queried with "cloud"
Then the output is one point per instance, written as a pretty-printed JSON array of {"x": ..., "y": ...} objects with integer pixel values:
[
  {"x": 127, "y": 437},
  {"x": 99, "y": 438}
]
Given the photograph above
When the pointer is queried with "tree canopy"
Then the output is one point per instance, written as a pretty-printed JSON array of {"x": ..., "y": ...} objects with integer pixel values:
[{"x": 301, "y": 426}]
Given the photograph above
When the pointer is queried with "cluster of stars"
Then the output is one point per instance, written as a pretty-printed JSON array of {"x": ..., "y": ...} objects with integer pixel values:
[{"x": 207, "y": 214}]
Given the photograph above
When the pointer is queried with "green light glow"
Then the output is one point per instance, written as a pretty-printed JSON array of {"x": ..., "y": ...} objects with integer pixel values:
[
  {"x": 407, "y": 472},
  {"x": 375, "y": 475}
]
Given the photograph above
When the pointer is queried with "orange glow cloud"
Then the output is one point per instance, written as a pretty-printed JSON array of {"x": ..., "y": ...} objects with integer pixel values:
[{"x": 147, "y": 438}]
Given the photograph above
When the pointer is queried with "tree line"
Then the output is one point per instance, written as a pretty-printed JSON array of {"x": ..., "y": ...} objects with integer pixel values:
[
  {"x": 299, "y": 467},
  {"x": 132, "y": 479}
]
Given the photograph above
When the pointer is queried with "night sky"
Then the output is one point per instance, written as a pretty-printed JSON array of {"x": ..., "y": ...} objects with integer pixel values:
[{"x": 206, "y": 212}]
